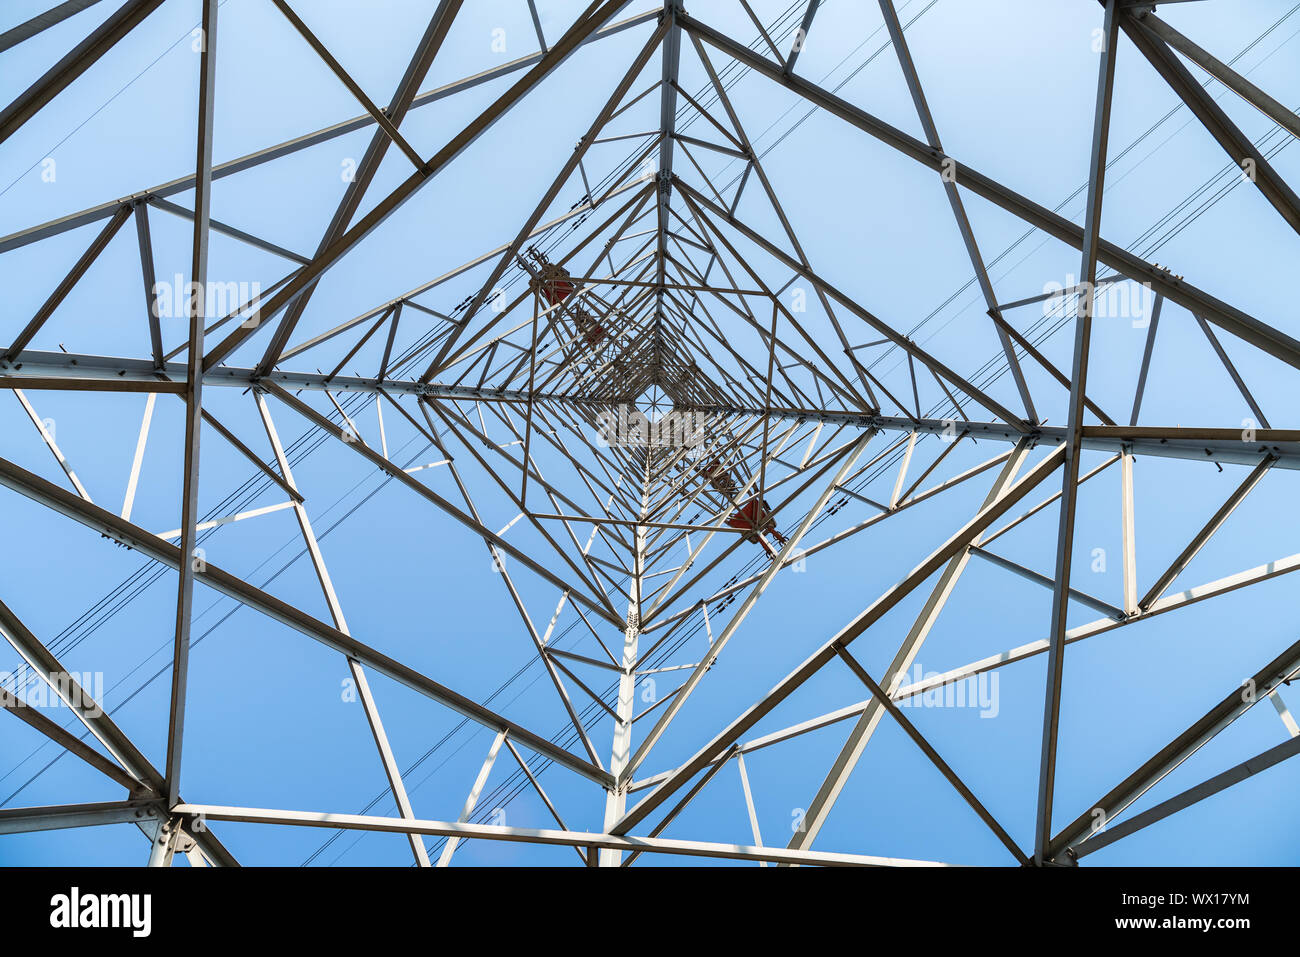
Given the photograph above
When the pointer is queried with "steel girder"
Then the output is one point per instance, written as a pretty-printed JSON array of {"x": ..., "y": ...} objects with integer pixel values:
[{"x": 519, "y": 404}]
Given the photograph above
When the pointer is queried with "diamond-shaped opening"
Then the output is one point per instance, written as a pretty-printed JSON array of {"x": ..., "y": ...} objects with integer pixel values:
[{"x": 654, "y": 403}]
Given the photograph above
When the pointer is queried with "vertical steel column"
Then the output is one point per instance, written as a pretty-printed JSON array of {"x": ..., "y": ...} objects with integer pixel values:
[
  {"x": 163, "y": 845},
  {"x": 621, "y": 754},
  {"x": 193, "y": 397},
  {"x": 1074, "y": 433},
  {"x": 668, "y": 130},
  {"x": 1128, "y": 531}
]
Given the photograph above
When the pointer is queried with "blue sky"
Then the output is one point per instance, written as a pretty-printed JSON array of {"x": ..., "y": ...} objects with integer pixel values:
[{"x": 267, "y": 725}]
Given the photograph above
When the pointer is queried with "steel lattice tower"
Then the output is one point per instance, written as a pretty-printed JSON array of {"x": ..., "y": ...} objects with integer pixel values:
[{"x": 670, "y": 404}]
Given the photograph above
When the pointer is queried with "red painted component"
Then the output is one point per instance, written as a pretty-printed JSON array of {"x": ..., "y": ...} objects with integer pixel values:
[
  {"x": 719, "y": 477},
  {"x": 553, "y": 283},
  {"x": 757, "y": 521},
  {"x": 591, "y": 330},
  {"x": 555, "y": 291}
]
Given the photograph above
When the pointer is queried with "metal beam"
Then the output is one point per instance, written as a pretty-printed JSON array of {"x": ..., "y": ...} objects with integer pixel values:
[
  {"x": 1241, "y": 699},
  {"x": 193, "y": 399},
  {"x": 76, "y": 62},
  {"x": 418, "y": 67},
  {"x": 21, "y": 820},
  {"x": 1195, "y": 444},
  {"x": 1259, "y": 334},
  {"x": 110, "y": 525},
  {"x": 1074, "y": 425},
  {"x": 854, "y": 746},
  {"x": 42, "y": 22},
  {"x": 248, "y": 161},
  {"x": 1225, "y": 74},
  {"x": 828, "y": 652},
  {"x": 32, "y": 716},
  {"x": 1193, "y": 795},
  {"x": 1203, "y": 106},
  {"x": 586, "y": 24},
  {"x": 490, "y": 832}
]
